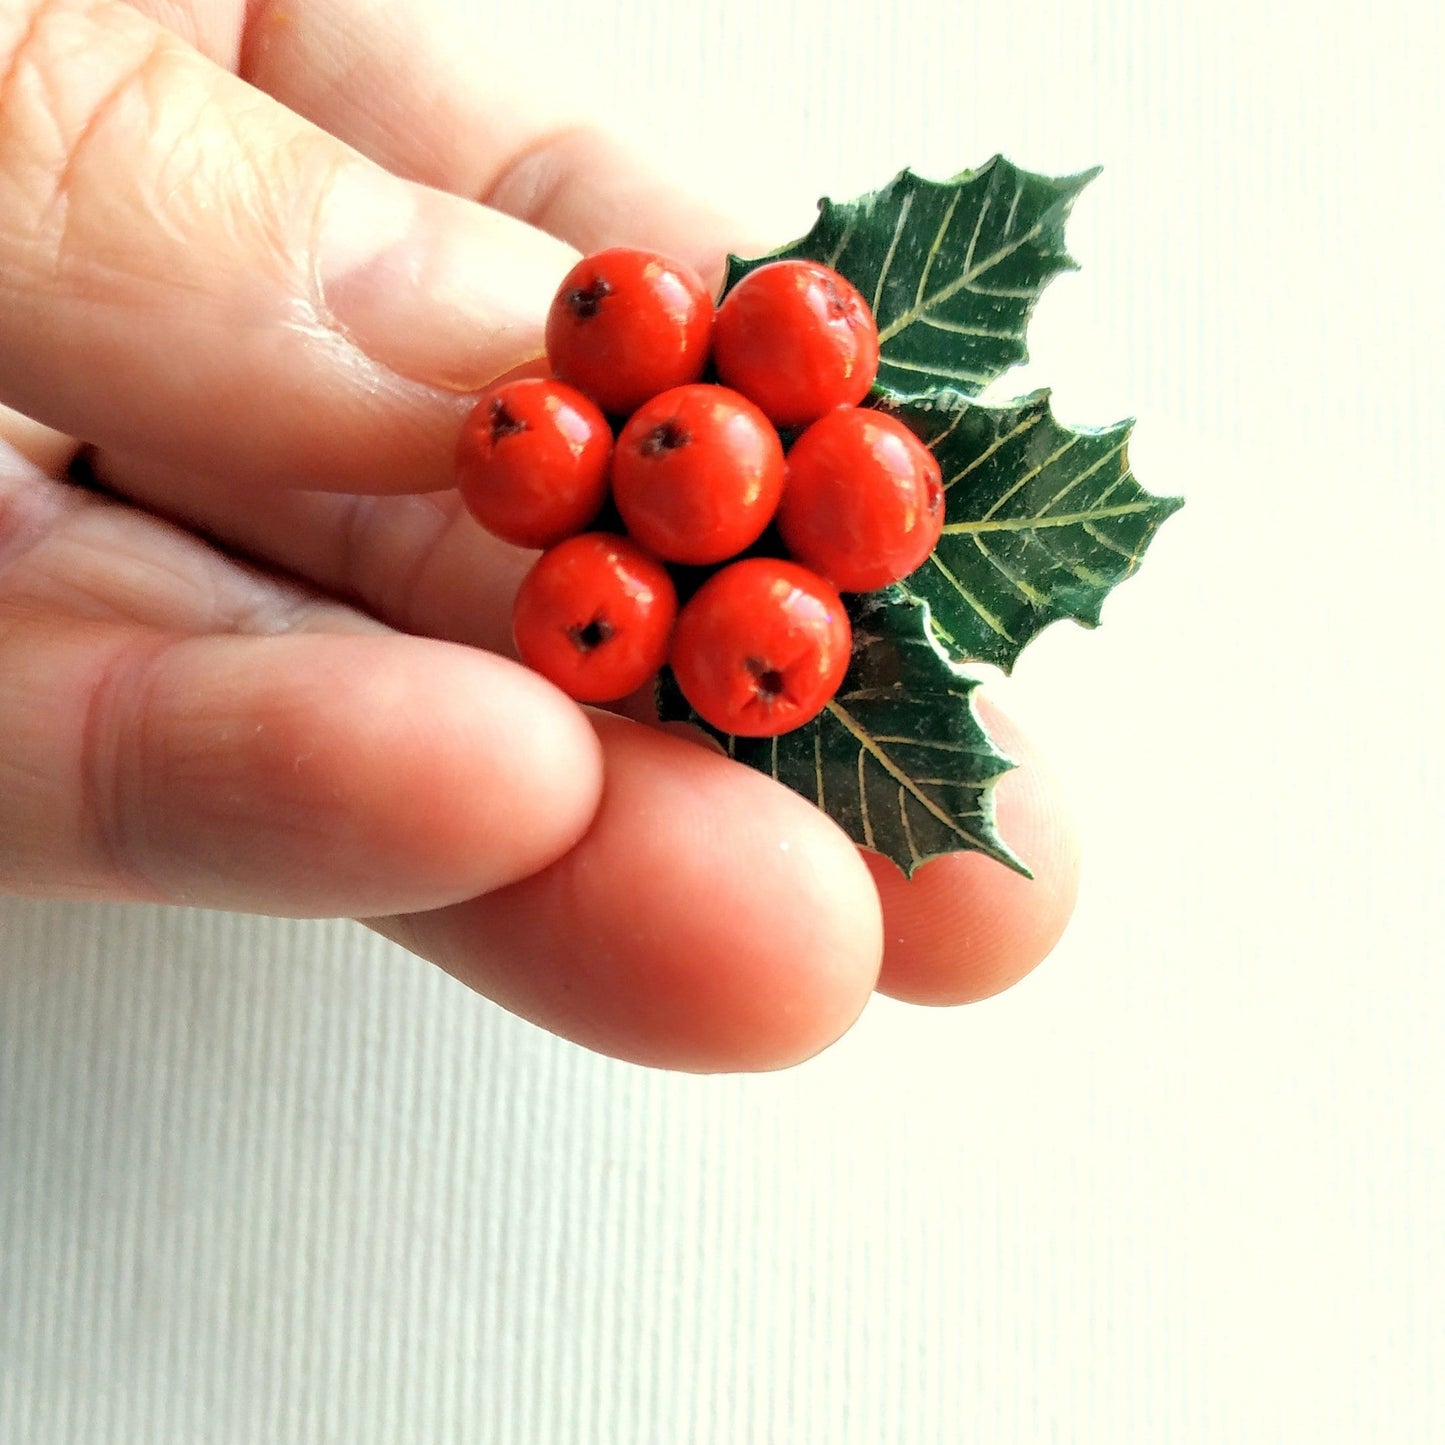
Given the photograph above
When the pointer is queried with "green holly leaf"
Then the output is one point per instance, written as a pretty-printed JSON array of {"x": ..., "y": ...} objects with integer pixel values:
[
  {"x": 899, "y": 758},
  {"x": 1042, "y": 521},
  {"x": 952, "y": 269}
]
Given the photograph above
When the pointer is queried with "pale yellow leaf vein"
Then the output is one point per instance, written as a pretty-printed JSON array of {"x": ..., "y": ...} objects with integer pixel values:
[
  {"x": 843, "y": 240},
  {"x": 1038, "y": 524},
  {"x": 913, "y": 852},
  {"x": 869, "y": 745},
  {"x": 1082, "y": 477},
  {"x": 993, "y": 446},
  {"x": 961, "y": 328},
  {"x": 948, "y": 747},
  {"x": 1104, "y": 540},
  {"x": 898, "y": 225},
  {"x": 959, "y": 412},
  {"x": 934, "y": 249},
  {"x": 1074, "y": 568},
  {"x": 965, "y": 280},
  {"x": 1023, "y": 481},
  {"x": 985, "y": 615},
  {"x": 1003, "y": 293},
  {"x": 977, "y": 232},
  {"x": 952, "y": 373},
  {"x": 1019, "y": 584},
  {"x": 862, "y": 785},
  {"x": 1013, "y": 209}
]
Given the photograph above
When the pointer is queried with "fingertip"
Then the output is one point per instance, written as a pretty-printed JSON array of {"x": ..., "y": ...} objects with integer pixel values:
[
  {"x": 356, "y": 775},
  {"x": 709, "y": 921},
  {"x": 554, "y": 767},
  {"x": 965, "y": 927},
  {"x": 50, "y": 451},
  {"x": 593, "y": 190},
  {"x": 478, "y": 773},
  {"x": 763, "y": 932}
]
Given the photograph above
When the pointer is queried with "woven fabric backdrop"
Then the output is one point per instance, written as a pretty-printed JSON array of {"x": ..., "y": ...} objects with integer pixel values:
[{"x": 275, "y": 1182}]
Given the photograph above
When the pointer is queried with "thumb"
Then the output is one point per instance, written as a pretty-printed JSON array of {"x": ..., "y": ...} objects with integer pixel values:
[{"x": 194, "y": 273}]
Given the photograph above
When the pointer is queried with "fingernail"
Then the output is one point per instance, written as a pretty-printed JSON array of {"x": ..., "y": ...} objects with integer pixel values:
[{"x": 431, "y": 286}]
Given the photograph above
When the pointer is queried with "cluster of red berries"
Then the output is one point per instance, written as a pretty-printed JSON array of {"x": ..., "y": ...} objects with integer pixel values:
[{"x": 697, "y": 473}]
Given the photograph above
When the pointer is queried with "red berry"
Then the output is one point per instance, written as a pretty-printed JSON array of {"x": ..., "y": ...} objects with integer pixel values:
[
  {"x": 697, "y": 474},
  {"x": 798, "y": 339},
  {"x": 628, "y": 324},
  {"x": 864, "y": 500},
  {"x": 761, "y": 647},
  {"x": 532, "y": 461},
  {"x": 595, "y": 616}
]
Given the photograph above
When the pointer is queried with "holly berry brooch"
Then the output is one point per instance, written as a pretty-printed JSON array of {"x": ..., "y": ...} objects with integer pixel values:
[{"x": 791, "y": 512}]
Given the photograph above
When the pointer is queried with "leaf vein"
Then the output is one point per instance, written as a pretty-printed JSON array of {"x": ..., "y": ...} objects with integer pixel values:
[
  {"x": 1021, "y": 482},
  {"x": 1013, "y": 209},
  {"x": 989, "y": 620},
  {"x": 868, "y": 745},
  {"x": 1075, "y": 569},
  {"x": 963, "y": 328},
  {"x": 1023, "y": 588},
  {"x": 913, "y": 852},
  {"x": 862, "y": 791},
  {"x": 1039, "y": 523},
  {"x": 847, "y": 235},
  {"x": 979, "y": 378},
  {"x": 937, "y": 246},
  {"x": 898, "y": 225},
  {"x": 1104, "y": 540},
  {"x": 966, "y": 279},
  {"x": 1082, "y": 476},
  {"x": 993, "y": 447}
]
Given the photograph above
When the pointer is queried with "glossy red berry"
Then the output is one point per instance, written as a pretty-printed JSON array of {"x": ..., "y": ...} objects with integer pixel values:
[
  {"x": 627, "y": 324},
  {"x": 595, "y": 616},
  {"x": 761, "y": 647},
  {"x": 697, "y": 474},
  {"x": 532, "y": 461},
  {"x": 864, "y": 500},
  {"x": 797, "y": 339}
]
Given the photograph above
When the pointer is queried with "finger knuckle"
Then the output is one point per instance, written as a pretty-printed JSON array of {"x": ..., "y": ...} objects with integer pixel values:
[
  {"x": 74, "y": 76},
  {"x": 118, "y": 773},
  {"x": 533, "y": 182}
]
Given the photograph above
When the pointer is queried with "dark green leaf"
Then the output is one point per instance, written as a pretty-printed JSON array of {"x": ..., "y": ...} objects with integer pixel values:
[
  {"x": 1042, "y": 521},
  {"x": 898, "y": 758},
  {"x": 952, "y": 269}
]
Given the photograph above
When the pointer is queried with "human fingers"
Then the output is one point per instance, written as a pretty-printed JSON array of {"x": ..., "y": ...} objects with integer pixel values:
[
  {"x": 49, "y": 450},
  {"x": 420, "y": 561},
  {"x": 420, "y": 88},
  {"x": 593, "y": 192},
  {"x": 320, "y": 765},
  {"x": 709, "y": 920},
  {"x": 192, "y": 272},
  {"x": 706, "y": 919},
  {"x": 963, "y": 927}
]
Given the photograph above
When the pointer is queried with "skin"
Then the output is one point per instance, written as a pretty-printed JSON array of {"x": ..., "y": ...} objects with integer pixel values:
[{"x": 264, "y": 665}]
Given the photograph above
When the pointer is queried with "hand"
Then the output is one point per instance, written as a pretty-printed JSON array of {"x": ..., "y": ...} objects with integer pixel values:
[{"x": 266, "y": 667}]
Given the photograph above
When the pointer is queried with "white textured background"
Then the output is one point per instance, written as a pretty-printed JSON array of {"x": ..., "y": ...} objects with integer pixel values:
[{"x": 278, "y": 1183}]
